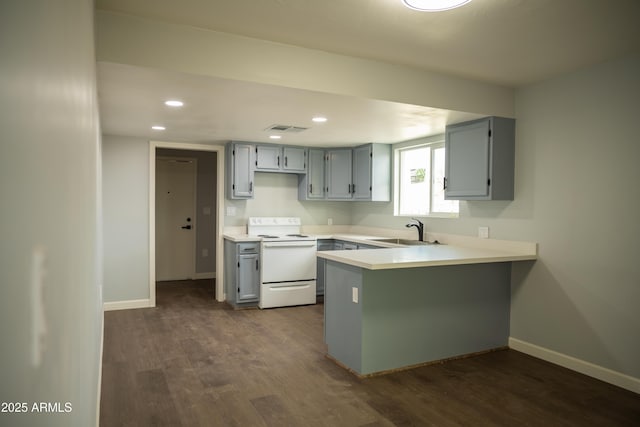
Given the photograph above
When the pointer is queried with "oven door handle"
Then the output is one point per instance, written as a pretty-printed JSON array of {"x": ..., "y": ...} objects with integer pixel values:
[
  {"x": 288, "y": 287},
  {"x": 290, "y": 245}
]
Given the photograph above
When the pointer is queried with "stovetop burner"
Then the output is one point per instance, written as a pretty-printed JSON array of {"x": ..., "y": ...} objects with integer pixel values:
[
  {"x": 297, "y": 235},
  {"x": 268, "y": 236}
]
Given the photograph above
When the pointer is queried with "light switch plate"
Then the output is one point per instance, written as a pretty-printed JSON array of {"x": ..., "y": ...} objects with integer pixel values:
[
  {"x": 354, "y": 294},
  {"x": 231, "y": 211}
]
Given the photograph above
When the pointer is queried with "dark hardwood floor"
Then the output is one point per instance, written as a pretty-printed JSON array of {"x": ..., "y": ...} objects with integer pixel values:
[{"x": 192, "y": 361}]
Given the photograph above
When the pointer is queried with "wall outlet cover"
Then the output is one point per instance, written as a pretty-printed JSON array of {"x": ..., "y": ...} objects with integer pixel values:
[
  {"x": 483, "y": 232},
  {"x": 354, "y": 294}
]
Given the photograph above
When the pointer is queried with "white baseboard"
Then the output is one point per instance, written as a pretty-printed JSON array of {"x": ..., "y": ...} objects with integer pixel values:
[
  {"x": 604, "y": 374},
  {"x": 126, "y": 305},
  {"x": 211, "y": 275}
]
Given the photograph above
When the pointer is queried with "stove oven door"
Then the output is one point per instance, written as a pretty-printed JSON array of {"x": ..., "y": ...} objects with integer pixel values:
[{"x": 288, "y": 261}]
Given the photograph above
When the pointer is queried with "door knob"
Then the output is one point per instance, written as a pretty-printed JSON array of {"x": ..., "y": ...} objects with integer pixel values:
[{"x": 187, "y": 227}]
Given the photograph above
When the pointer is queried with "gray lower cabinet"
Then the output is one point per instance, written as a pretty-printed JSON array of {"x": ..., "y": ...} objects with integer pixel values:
[
  {"x": 242, "y": 272},
  {"x": 333, "y": 245},
  {"x": 323, "y": 245},
  {"x": 240, "y": 171},
  {"x": 479, "y": 159}
]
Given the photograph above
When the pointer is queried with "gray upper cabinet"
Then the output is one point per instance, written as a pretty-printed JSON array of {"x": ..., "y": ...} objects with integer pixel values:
[
  {"x": 360, "y": 173},
  {"x": 311, "y": 186},
  {"x": 276, "y": 158},
  {"x": 339, "y": 164},
  {"x": 240, "y": 170},
  {"x": 372, "y": 172},
  {"x": 295, "y": 159},
  {"x": 479, "y": 159},
  {"x": 268, "y": 157}
]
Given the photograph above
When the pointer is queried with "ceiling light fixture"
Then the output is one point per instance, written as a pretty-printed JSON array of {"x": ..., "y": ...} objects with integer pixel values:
[
  {"x": 158, "y": 127},
  {"x": 319, "y": 119},
  {"x": 275, "y": 136},
  {"x": 174, "y": 103},
  {"x": 434, "y": 5}
]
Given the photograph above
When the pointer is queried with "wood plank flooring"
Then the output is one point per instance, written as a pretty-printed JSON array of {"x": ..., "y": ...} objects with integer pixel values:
[{"x": 192, "y": 361}]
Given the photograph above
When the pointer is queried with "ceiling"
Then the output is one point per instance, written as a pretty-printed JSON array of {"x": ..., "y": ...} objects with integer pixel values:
[{"x": 505, "y": 42}]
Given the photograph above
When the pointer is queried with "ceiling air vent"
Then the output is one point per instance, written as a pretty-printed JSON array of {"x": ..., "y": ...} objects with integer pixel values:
[{"x": 285, "y": 128}]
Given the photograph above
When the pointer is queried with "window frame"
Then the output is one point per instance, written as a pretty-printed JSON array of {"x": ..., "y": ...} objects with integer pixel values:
[{"x": 433, "y": 144}]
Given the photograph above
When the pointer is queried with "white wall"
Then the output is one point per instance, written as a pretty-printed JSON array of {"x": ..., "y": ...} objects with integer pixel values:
[
  {"x": 276, "y": 194},
  {"x": 125, "y": 171},
  {"x": 50, "y": 192},
  {"x": 577, "y": 156},
  {"x": 578, "y": 163}
]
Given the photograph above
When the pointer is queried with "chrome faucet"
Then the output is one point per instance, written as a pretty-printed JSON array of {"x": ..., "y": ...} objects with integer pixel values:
[{"x": 419, "y": 225}]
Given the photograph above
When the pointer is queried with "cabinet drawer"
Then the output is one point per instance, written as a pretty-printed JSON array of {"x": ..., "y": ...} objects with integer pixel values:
[{"x": 248, "y": 248}]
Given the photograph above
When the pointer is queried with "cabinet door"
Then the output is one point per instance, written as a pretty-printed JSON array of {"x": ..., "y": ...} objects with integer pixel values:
[
  {"x": 315, "y": 175},
  {"x": 248, "y": 278},
  {"x": 268, "y": 157},
  {"x": 467, "y": 163},
  {"x": 295, "y": 159},
  {"x": 242, "y": 179},
  {"x": 339, "y": 185},
  {"x": 362, "y": 168}
]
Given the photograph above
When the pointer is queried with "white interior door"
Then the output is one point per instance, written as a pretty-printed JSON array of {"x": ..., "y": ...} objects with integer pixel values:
[{"x": 175, "y": 218}]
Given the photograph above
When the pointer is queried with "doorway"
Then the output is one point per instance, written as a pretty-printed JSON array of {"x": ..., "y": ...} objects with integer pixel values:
[
  {"x": 206, "y": 225},
  {"x": 176, "y": 182}
]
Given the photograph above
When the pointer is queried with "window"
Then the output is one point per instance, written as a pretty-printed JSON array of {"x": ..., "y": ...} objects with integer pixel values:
[{"x": 419, "y": 182}]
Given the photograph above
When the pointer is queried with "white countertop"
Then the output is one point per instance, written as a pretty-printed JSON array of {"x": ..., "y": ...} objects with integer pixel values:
[
  {"x": 456, "y": 250},
  {"x": 241, "y": 238},
  {"x": 423, "y": 256}
]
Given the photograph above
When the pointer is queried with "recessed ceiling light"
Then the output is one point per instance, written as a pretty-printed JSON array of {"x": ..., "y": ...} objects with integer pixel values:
[
  {"x": 319, "y": 119},
  {"x": 275, "y": 136},
  {"x": 434, "y": 5},
  {"x": 174, "y": 103},
  {"x": 158, "y": 127}
]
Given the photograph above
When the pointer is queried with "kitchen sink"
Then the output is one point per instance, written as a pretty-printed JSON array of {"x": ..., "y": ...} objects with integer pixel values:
[{"x": 405, "y": 242}]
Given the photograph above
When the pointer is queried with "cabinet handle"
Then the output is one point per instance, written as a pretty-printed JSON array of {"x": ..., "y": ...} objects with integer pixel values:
[
  {"x": 444, "y": 186},
  {"x": 310, "y": 188},
  {"x": 251, "y": 187},
  {"x": 353, "y": 188},
  {"x": 349, "y": 191},
  {"x": 285, "y": 161},
  {"x": 278, "y": 161},
  {"x": 257, "y": 265}
]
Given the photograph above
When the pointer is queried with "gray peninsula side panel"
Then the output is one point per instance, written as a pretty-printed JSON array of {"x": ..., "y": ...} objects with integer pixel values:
[
  {"x": 343, "y": 317},
  {"x": 411, "y": 316}
]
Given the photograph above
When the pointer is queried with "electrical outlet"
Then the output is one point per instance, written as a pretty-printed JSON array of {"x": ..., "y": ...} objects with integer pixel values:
[
  {"x": 483, "y": 232},
  {"x": 231, "y": 211},
  {"x": 354, "y": 294},
  {"x": 329, "y": 221}
]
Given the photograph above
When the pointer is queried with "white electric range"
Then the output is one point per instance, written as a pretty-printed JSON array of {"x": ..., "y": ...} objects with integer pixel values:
[{"x": 288, "y": 260}]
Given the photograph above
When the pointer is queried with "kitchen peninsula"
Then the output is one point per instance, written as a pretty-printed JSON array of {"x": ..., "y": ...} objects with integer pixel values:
[{"x": 392, "y": 308}]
